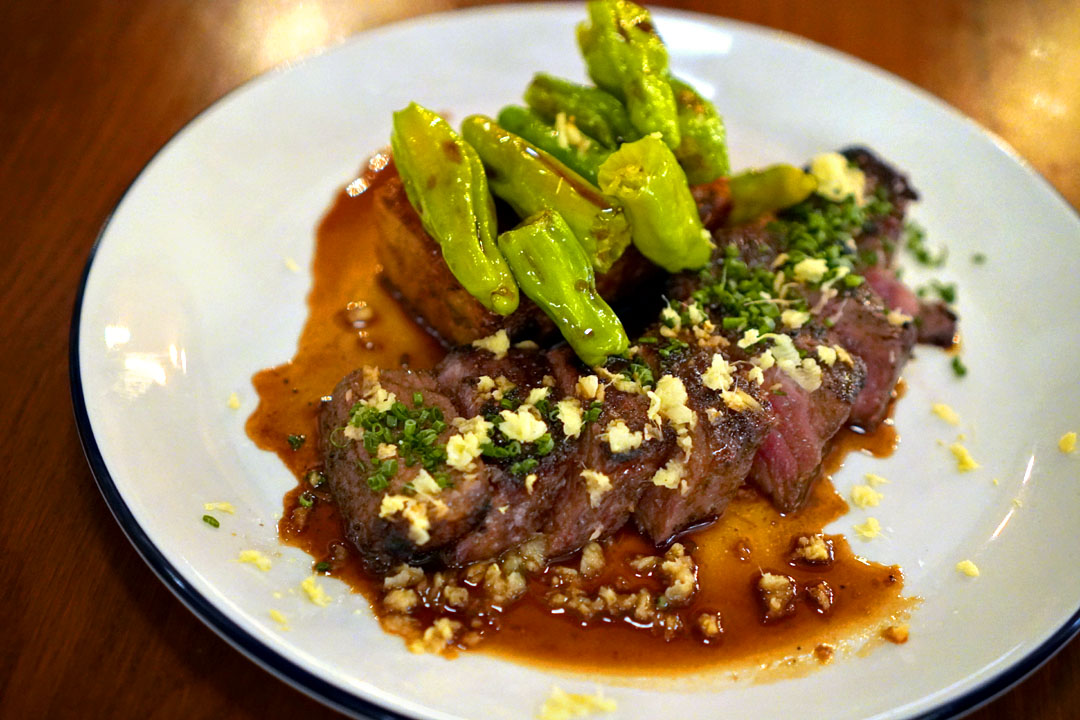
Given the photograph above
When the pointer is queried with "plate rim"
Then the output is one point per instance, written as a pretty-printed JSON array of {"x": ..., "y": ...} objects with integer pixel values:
[{"x": 304, "y": 680}]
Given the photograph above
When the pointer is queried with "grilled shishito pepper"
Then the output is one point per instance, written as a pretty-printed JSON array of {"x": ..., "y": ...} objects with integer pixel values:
[
  {"x": 445, "y": 182},
  {"x": 598, "y": 114},
  {"x": 531, "y": 180},
  {"x": 756, "y": 192},
  {"x": 702, "y": 152},
  {"x": 625, "y": 56},
  {"x": 564, "y": 140},
  {"x": 555, "y": 273},
  {"x": 645, "y": 178}
]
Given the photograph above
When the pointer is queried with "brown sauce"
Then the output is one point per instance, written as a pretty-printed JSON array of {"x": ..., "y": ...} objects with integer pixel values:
[{"x": 731, "y": 554}]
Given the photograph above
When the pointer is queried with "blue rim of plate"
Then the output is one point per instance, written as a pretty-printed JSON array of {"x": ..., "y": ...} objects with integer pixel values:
[{"x": 330, "y": 694}]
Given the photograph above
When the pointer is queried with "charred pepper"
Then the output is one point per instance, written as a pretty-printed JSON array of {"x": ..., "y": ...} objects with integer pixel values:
[
  {"x": 625, "y": 56},
  {"x": 645, "y": 178},
  {"x": 756, "y": 192},
  {"x": 702, "y": 151},
  {"x": 555, "y": 273},
  {"x": 445, "y": 182},
  {"x": 564, "y": 140},
  {"x": 598, "y": 114},
  {"x": 531, "y": 180}
]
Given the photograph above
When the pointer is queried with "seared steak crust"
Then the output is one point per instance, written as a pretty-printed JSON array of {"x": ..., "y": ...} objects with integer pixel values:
[
  {"x": 580, "y": 515},
  {"x": 517, "y": 509},
  {"x": 724, "y": 443},
  {"x": 385, "y": 541}
]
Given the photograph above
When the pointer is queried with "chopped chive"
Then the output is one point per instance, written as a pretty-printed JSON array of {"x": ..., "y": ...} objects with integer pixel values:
[
  {"x": 544, "y": 445},
  {"x": 945, "y": 291},
  {"x": 521, "y": 467},
  {"x": 211, "y": 521},
  {"x": 305, "y": 500},
  {"x": 978, "y": 258},
  {"x": 322, "y": 566},
  {"x": 958, "y": 367},
  {"x": 296, "y": 441}
]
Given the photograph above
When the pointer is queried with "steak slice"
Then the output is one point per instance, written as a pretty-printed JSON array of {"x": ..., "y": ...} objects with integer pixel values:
[
  {"x": 788, "y": 463},
  {"x": 861, "y": 325},
  {"x": 387, "y": 541},
  {"x": 460, "y": 374},
  {"x": 589, "y": 506},
  {"x": 880, "y": 237},
  {"x": 518, "y": 507},
  {"x": 724, "y": 442},
  {"x": 936, "y": 323}
]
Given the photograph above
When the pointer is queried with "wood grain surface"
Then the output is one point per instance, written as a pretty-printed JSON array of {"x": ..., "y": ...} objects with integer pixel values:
[{"x": 92, "y": 88}]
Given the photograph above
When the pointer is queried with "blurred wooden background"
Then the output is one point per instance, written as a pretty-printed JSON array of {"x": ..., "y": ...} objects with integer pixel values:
[{"x": 92, "y": 88}]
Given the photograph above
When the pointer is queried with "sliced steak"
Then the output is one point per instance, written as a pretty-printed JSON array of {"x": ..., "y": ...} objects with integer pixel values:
[
  {"x": 387, "y": 541},
  {"x": 861, "y": 325},
  {"x": 518, "y": 506},
  {"x": 936, "y": 322},
  {"x": 880, "y": 174},
  {"x": 880, "y": 237},
  {"x": 414, "y": 270},
  {"x": 602, "y": 487},
  {"x": 715, "y": 464},
  {"x": 788, "y": 463},
  {"x": 459, "y": 375}
]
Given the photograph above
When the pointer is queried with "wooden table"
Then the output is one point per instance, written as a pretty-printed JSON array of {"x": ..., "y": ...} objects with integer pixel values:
[{"x": 91, "y": 89}]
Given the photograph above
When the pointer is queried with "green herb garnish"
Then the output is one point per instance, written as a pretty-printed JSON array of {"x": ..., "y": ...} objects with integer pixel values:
[
  {"x": 296, "y": 441},
  {"x": 211, "y": 521},
  {"x": 639, "y": 371},
  {"x": 381, "y": 472},
  {"x": 674, "y": 345},
  {"x": 915, "y": 243},
  {"x": 522, "y": 467},
  {"x": 415, "y": 432},
  {"x": 945, "y": 291},
  {"x": 958, "y": 367}
]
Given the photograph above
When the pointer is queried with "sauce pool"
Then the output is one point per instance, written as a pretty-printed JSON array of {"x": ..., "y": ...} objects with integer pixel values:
[{"x": 354, "y": 321}]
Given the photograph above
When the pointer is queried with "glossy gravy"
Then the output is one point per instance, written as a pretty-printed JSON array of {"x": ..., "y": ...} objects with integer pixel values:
[{"x": 353, "y": 321}]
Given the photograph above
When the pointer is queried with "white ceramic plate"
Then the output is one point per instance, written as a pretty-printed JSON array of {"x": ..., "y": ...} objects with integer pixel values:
[{"x": 186, "y": 295}]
